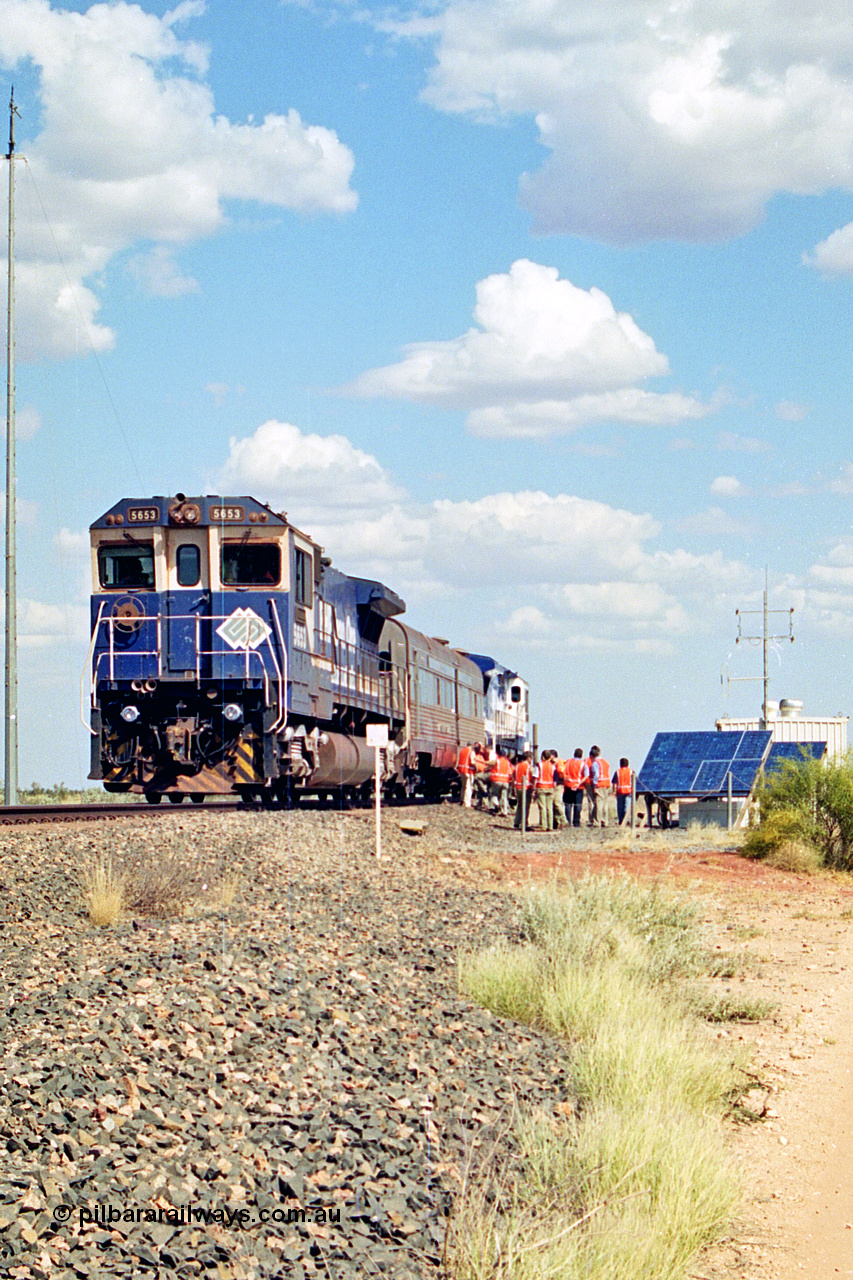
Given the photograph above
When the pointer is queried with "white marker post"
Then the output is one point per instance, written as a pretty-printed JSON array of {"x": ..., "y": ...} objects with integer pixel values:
[{"x": 377, "y": 737}]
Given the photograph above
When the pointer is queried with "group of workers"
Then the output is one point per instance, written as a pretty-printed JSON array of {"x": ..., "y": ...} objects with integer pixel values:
[{"x": 558, "y": 787}]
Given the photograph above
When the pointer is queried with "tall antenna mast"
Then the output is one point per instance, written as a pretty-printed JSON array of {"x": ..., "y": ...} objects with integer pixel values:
[
  {"x": 766, "y": 640},
  {"x": 11, "y": 737}
]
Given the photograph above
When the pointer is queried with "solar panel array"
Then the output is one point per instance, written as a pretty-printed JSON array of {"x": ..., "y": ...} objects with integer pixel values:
[
  {"x": 698, "y": 764},
  {"x": 793, "y": 751}
]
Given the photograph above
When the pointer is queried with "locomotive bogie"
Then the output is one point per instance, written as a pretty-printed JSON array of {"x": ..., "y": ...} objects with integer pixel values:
[{"x": 227, "y": 655}]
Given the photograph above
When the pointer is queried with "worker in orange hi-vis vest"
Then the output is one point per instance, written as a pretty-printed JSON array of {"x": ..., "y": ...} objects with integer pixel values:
[
  {"x": 500, "y": 777},
  {"x": 597, "y": 787},
  {"x": 576, "y": 774},
  {"x": 623, "y": 780},
  {"x": 560, "y": 819},
  {"x": 522, "y": 782},
  {"x": 545, "y": 785},
  {"x": 482, "y": 760},
  {"x": 465, "y": 769}
]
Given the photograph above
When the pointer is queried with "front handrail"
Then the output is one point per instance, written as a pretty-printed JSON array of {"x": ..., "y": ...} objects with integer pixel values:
[
  {"x": 110, "y": 654},
  {"x": 281, "y": 719},
  {"x": 355, "y": 674},
  {"x": 87, "y": 672}
]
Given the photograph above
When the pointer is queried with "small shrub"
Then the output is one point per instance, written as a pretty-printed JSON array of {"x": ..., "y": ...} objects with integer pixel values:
[
  {"x": 164, "y": 884},
  {"x": 655, "y": 933},
  {"x": 778, "y": 827},
  {"x": 821, "y": 793},
  {"x": 747, "y": 931},
  {"x": 155, "y": 882}
]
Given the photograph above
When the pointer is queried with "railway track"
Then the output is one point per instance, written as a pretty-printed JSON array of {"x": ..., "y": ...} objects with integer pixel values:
[{"x": 104, "y": 810}]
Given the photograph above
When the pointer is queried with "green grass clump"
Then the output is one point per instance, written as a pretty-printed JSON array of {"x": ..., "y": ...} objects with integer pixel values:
[
  {"x": 635, "y": 1179},
  {"x": 729, "y": 1006}
]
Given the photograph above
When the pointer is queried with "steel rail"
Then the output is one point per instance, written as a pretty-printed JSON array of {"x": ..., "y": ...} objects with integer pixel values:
[{"x": 106, "y": 809}]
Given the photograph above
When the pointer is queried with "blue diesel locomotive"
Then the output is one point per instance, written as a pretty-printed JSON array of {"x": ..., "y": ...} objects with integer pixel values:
[{"x": 227, "y": 655}]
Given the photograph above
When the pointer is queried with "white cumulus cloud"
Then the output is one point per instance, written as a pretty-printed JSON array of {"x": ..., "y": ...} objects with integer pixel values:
[
  {"x": 527, "y": 621},
  {"x": 844, "y": 483},
  {"x": 661, "y": 119},
  {"x": 313, "y": 476},
  {"x": 714, "y": 523},
  {"x": 129, "y": 150},
  {"x": 544, "y": 358},
  {"x": 160, "y": 274},
  {"x": 728, "y": 487},
  {"x": 537, "y": 563},
  {"x": 823, "y": 596},
  {"x": 41, "y": 626},
  {"x": 834, "y": 255}
]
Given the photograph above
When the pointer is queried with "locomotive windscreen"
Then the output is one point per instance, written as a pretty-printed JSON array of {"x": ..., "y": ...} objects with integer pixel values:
[
  {"x": 129, "y": 567},
  {"x": 250, "y": 565}
]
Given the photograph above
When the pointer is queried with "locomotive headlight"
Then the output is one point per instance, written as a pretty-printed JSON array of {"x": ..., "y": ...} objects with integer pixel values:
[
  {"x": 232, "y": 711},
  {"x": 130, "y": 714}
]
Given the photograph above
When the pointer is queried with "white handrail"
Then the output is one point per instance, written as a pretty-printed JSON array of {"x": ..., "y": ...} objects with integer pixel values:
[
  {"x": 281, "y": 718},
  {"x": 248, "y": 654},
  {"x": 87, "y": 672}
]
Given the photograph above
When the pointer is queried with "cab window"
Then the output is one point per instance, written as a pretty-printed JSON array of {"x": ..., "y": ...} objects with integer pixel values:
[
  {"x": 188, "y": 565},
  {"x": 251, "y": 564},
  {"x": 126, "y": 568},
  {"x": 304, "y": 578}
]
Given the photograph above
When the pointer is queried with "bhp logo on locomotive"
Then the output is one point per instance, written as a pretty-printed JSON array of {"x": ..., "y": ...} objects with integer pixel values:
[{"x": 243, "y": 629}]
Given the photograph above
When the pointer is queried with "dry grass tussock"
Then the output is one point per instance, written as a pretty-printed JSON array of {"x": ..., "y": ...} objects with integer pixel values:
[
  {"x": 164, "y": 883},
  {"x": 642, "y": 839},
  {"x": 634, "y": 1180},
  {"x": 103, "y": 893},
  {"x": 795, "y": 855},
  {"x": 714, "y": 837},
  {"x": 655, "y": 840}
]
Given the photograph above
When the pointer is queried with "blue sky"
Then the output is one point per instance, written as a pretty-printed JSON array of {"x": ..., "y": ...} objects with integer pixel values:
[{"x": 539, "y": 312}]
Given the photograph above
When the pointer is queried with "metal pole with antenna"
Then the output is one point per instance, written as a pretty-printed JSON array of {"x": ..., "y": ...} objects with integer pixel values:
[
  {"x": 766, "y": 640},
  {"x": 11, "y": 705}
]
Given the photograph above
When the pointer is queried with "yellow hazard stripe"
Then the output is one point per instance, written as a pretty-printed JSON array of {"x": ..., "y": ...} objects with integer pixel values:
[
  {"x": 243, "y": 765},
  {"x": 210, "y": 781}
]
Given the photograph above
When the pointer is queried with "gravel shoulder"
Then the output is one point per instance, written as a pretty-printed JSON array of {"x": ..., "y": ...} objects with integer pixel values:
[
  {"x": 302, "y": 1052},
  {"x": 305, "y": 1049}
]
